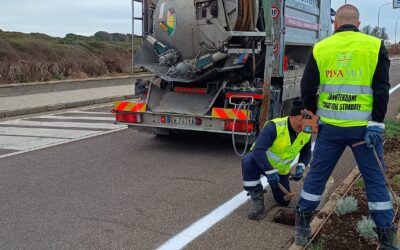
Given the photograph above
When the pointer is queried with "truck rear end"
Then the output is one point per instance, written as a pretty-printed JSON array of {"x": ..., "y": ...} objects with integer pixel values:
[{"x": 215, "y": 63}]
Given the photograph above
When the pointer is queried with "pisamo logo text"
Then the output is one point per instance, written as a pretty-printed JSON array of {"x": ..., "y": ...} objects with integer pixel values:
[{"x": 342, "y": 73}]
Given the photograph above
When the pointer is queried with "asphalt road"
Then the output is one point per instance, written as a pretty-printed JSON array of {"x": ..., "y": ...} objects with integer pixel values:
[{"x": 128, "y": 190}]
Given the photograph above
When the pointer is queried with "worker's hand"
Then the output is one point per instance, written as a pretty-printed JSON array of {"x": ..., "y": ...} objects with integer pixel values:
[
  {"x": 374, "y": 134},
  {"x": 273, "y": 177},
  {"x": 298, "y": 174}
]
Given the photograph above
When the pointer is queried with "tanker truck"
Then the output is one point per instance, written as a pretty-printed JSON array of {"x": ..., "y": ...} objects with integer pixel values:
[{"x": 221, "y": 66}]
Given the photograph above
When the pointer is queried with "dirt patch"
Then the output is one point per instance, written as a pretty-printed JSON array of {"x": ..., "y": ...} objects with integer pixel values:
[
  {"x": 392, "y": 146},
  {"x": 285, "y": 216},
  {"x": 339, "y": 232}
]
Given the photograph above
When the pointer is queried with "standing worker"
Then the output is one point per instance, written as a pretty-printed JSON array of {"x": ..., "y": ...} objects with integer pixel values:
[
  {"x": 351, "y": 72},
  {"x": 278, "y": 144}
]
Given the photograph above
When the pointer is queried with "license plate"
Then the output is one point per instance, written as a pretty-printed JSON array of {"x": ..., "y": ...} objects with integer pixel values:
[{"x": 183, "y": 120}]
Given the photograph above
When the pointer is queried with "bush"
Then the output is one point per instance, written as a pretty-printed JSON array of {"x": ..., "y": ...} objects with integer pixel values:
[
  {"x": 365, "y": 227},
  {"x": 346, "y": 205},
  {"x": 39, "y": 57}
]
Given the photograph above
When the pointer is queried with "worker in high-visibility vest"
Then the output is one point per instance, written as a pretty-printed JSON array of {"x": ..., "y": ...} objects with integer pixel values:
[
  {"x": 275, "y": 149},
  {"x": 350, "y": 70}
]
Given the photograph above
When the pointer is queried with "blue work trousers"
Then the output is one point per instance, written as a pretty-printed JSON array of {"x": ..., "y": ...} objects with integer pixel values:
[
  {"x": 251, "y": 179},
  {"x": 329, "y": 146}
]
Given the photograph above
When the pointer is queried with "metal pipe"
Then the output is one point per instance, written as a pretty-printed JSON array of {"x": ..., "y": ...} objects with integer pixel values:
[
  {"x": 133, "y": 34},
  {"x": 379, "y": 11},
  {"x": 395, "y": 33},
  {"x": 145, "y": 16}
]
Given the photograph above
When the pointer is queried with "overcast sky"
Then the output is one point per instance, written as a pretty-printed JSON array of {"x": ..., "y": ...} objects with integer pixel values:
[{"x": 57, "y": 18}]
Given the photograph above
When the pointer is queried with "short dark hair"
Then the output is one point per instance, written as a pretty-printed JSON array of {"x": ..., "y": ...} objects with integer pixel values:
[{"x": 297, "y": 107}]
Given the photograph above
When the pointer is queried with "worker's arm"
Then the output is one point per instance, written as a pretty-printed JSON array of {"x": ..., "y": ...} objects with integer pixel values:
[
  {"x": 381, "y": 86},
  {"x": 310, "y": 84},
  {"x": 263, "y": 143},
  {"x": 305, "y": 154}
]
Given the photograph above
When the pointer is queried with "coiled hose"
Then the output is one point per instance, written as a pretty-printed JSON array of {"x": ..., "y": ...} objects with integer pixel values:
[{"x": 246, "y": 106}]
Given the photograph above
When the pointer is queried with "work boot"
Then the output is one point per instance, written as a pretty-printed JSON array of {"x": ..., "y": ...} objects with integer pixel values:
[
  {"x": 303, "y": 230},
  {"x": 257, "y": 209},
  {"x": 387, "y": 238}
]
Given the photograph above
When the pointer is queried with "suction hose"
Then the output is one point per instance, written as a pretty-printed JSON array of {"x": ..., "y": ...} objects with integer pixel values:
[{"x": 247, "y": 108}]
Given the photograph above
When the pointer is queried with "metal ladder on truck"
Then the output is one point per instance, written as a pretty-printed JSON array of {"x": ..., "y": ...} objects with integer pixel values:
[{"x": 138, "y": 21}]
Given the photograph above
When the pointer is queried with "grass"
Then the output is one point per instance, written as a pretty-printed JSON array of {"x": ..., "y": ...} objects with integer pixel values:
[
  {"x": 317, "y": 245},
  {"x": 359, "y": 184},
  {"x": 392, "y": 130},
  {"x": 396, "y": 179}
]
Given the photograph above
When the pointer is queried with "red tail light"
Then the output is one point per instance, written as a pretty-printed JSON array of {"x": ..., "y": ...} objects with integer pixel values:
[
  {"x": 162, "y": 119},
  {"x": 128, "y": 117},
  {"x": 198, "y": 121},
  {"x": 240, "y": 126}
]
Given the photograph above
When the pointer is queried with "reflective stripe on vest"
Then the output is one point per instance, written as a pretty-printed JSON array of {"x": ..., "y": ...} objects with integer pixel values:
[
  {"x": 346, "y": 116},
  {"x": 282, "y": 152},
  {"x": 346, "y": 88},
  {"x": 274, "y": 157},
  {"x": 346, "y": 63}
]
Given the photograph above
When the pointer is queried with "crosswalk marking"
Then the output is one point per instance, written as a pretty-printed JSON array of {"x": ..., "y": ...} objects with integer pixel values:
[
  {"x": 64, "y": 124},
  {"x": 46, "y": 132},
  {"x": 31, "y": 133},
  {"x": 77, "y": 118},
  {"x": 24, "y": 143}
]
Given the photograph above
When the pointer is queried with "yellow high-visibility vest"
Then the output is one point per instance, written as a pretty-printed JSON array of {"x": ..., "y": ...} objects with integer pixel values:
[
  {"x": 282, "y": 152},
  {"x": 346, "y": 62}
]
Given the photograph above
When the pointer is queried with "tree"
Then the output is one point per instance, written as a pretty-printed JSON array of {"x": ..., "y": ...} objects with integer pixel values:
[
  {"x": 367, "y": 29},
  {"x": 103, "y": 36},
  {"x": 376, "y": 31}
]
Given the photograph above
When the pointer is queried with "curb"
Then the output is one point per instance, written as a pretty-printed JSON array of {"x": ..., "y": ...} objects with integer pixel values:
[
  {"x": 40, "y": 109},
  {"x": 16, "y": 89}
]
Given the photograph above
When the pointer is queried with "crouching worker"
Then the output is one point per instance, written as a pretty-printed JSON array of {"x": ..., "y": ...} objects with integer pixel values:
[{"x": 278, "y": 144}]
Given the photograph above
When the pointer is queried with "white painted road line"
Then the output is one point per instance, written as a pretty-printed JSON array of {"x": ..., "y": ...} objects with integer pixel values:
[
  {"x": 19, "y": 135},
  {"x": 60, "y": 143},
  {"x": 89, "y": 112},
  {"x": 394, "y": 89},
  {"x": 202, "y": 225},
  {"x": 199, "y": 227},
  {"x": 46, "y": 132},
  {"x": 91, "y": 118},
  {"x": 24, "y": 143},
  {"x": 64, "y": 124}
]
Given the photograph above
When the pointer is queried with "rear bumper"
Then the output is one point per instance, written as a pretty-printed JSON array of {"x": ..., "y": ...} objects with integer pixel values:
[{"x": 208, "y": 123}]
